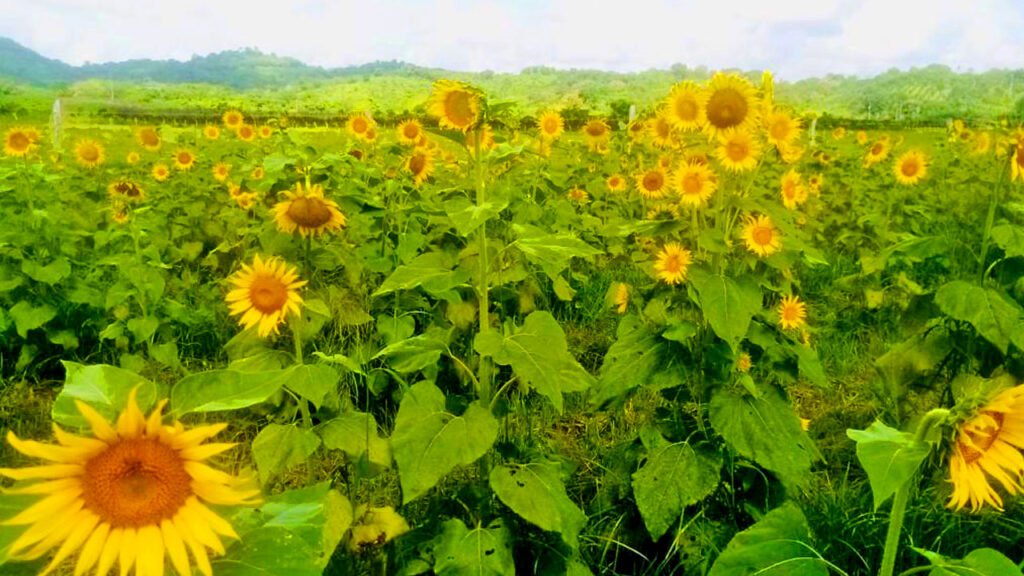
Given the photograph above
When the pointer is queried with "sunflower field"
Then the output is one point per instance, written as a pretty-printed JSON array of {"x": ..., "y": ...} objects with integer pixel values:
[{"x": 716, "y": 336}]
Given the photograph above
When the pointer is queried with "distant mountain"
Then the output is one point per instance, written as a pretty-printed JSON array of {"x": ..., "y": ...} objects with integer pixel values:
[{"x": 246, "y": 68}]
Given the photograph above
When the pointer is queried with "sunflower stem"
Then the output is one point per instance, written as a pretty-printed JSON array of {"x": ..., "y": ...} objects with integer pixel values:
[
  {"x": 303, "y": 407},
  {"x": 485, "y": 368},
  {"x": 902, "y": 498},
  {"x": 989, "y": 221}
]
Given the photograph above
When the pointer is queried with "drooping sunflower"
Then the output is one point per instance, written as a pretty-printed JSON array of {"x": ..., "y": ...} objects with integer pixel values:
[
  {"x": 420, "y": 165},
  {"x": 126, "y": 190},
  {"x": 551, "y": 125},
  {"x": 89, "y": 153},
  {"x": 730, "y": 104},
  {"x": 149, "y": 138},
  {"x": 264, "y": 294},
  {"x": 184, "y": 159},
  {"x": 660, "y": 128},
  {"x": 878, "y": 152},
  {"x": 672, "y": 263},
  {"x": 161, "y": 172},
  {"x": 911, "y": 167},
  {"x": 761, "y": 237},
  {"x": 792, "y": 313},
  {"x": 694, "y": 183},
  {"x": 652, "y": 183},
  {"x": 684, "y": 106},
  {"x": 233, "y": 119},
  {"x": 18, "y": 142},
  {"x": 221, "y": 171},
  {"x": 246, "y": 133},
  {"x": 136, "y": 492},
  {"x": 781, "y": 128},
  {"x": 409, "y": 132},
  {"x": 456, "y": 105},
  {"x": 793, "y": 191},
  {"x": 989, "y": 444},
  {"x": 615, "y": 183},
  {"x": 596, "y": 133},
  {"x": 308, "y": 212},
  {"x": 211, "y": 132},
  {"x": 738, "y": 150},
  {"x": 815, "y": 182}
]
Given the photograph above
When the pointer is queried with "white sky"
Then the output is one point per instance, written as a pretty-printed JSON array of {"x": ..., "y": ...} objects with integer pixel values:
[{"x": 793, "y": 38}]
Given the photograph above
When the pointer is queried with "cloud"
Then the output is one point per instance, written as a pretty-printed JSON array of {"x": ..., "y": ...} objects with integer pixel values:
[{"x": 794, "y": 38}]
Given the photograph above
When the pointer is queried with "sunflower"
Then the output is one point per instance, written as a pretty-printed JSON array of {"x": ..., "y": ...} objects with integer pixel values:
[
  {"x": 792, "y": 313},
  {"x": 421, "y": 165},
  {"x": 264, "y": 294},
  {"x": 551, "y": 125},
  {"x": 815, "y": 182},
  {"x": 371, "y": 134},
  {"x": 161, "y": 172},
  {"x": 486, "y": 135},
  {"x": 652, "y": 183},
  {"x": 307, "y": 211},
  {"x": 265, "y": 132},
  {"x": 148, "y": 138},
  {"x": 221, "y": 171},
  {"x": 89, "y": 153},
  {"x": 761, "y": 236},
  {"x": 744, "y": 363},
  {"x": 120, "y": 215},
  {"x": 791, "y": 154},
  {"x": 456, "y": 105},
  {"x": 135, "y": 492},
  {"x": 982, "y": 143},
  {"x": 989, "y": 444},
  {"x": 793, "y": 191},
  {"x": 257, "y": 173},
  {"x": 245, "y": 200},
  {"x": 694, "y": 183},
  {"x": 620, "y": 297},
  {"x": 838, "y": 133},
  {"x": 615, "y": 183},
  {"x": 246, "y": 133},
  {"x": 737, "y": 150},
  {"x": 661, "y": 130},
  {"x": 878, "y": 152},
  {"x": 18, "y": 142},
  {"x": 126, "y": 189},
  {"x": 730, "y": 103},
  {"x": 233, "y": 119},
  {"x": 781, "y": 128},
  {"x": 672, "y": 263},
  {"x": 596, "y": 133},
  {"x": 211, "y": 132},
  {"x": 409, "y": 132},
  {"x": 862, "y": 137},
  {"x": 132, "y": 157},
  {"x": 578, "y": 196},
  {"x": 684, "y": 106},
  {"x": 358, "y": 125},
  {"x": 184, "y": 160},
  {"x": 637, "y": 129},
  {"x": 911, "y": 167}
]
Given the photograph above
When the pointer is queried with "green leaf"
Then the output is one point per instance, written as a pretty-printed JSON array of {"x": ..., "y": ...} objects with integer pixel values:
[
  {"x": 10, "y": 506},
  {"x": 341, "y": 360},
  {"x": 429, "y": 442},
  {"x": 51, "y": 273},
  {"x": 292, "y": 533},
  {"x": 104, "y": 388},
  {"x": 633, "y": 360},
  {"x": 467, "y": 216},
  {"x": 551, "y": 252},
  {"x": 278, "y": 447},
  {"x": 218, "y": 390},
  {"x": 809, "y": 364},
  {"x": 890, "y": 458},
  {"x": 312, "y": 381},
  {"x": 433, "y": 271},
  {"x": 727, "y": 304},
  {"x": 1010, "y": 238},
  {"x": 143, "y": 328},
  {"x": 355, "y": 434},
  {"x": 996, "y": 318},
  {"x": 480, "y": 551},
  {"x": 416, "y": 353},
  {"x": 536, "y": 493},
  {"x": 539, "y": 356},
  {"x": 28, "y": 317},
  {"x": 778, "y": 545},
  {"x": 674, "y": 477},
  {"x": 979, "y": 562},
  {"x": 765, "y": 430}
]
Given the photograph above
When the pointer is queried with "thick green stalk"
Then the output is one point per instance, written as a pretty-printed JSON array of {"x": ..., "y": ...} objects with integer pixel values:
[
  {"x": 297, "y": 340},
  {"x": 483, "y": 289},
  {"x": 989, "y": 221}
]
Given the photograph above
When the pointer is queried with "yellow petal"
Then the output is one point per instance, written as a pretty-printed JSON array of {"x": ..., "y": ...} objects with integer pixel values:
[
  {"x": 74, "y": 441},
  {"x": 45, "y": 509},
  {"x": 126, "y": 555},
  {"x": 222, "y": 495},
  {"x": 43, "y": 472},
  {"x": 100, "y": 427},
  {"x": 198, "y": 552},
  {"x": 175, "y": 547},
  {"x": 82, "y": 527},
  {"x": 196, "y": 436},
  {"x": 48, "y": 451},
  {"x": 131, "y": 422},
  {"x": 150, "y": 555},
  {"x": 110, "y": 550},
  {"x": 197, "y": 526},
  {"x": 155, "y": 421},
  {"x": 219, "y": 525},
  {"x": 48, "y": 487},
  {"x": 91, "y": 550},
  {"x": 206, "y": 450},
  {"x": 204, "y": 474}
]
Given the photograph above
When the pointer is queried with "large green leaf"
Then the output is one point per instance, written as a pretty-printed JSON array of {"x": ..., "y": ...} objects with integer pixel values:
[
  {"x": 979, "y": 562},
  {"x": 778, "y": 545},
  {"x": 995, "y": 317},
  {"x": 218, "y": 390},
  {"x": 634, "y": 358},
  {"x": 278, "y": 447},
  {"x": 890, "y": 458},
  {"x": 1010, "y": 238},
  {"x": 355, "y": 434},
  {"x": 539, "y": 356},
  {"x": 433, "y": 271},
  {"x": 536, "y": 493},
  {"x": 674, "y": 477},
  {"x": 103, "y": 387},
  {"x": 51, "y": 273},
  {"x": 28, "y": 317},
  {"x": 467, "y": 216},
  {"x": 727, "y": 304},
  {"x": 552, "y": 252},
  {"x": 766, "y": 430},
  {"x": 429, "y": 442},
  {"x": 416, "y": 353},
  {"x": 481, "y": 551},
  {"x": 312, "y": 381}
]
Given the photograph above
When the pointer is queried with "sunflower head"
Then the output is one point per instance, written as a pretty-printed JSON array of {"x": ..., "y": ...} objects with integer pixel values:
[
  {"x": 596, "y": 130},
  {"x": 184, "y": 159},
  {"x": 578, "y": 196},
  {"x": 89, "y": 153},
  {"x": 661, "y": 128},
  {"x": 149, "y": 138},
  {"x": 126, "y": 190},
  {"x": 877, "y": 152},
  {"x": 233, "y": 119},
  {"x": 221, "y": 171},
  {"x": 161, "y": 172},
  {"x": 911, "y": 167},
  {"x": 264, "y": 294},
  {"x": 420, "y": 165},
  {"x": 794, "y": 193},
  {"x": 792, "y": 313},
  {"x": 616, "y": 183},
  {"x": 838, "y": 133},
  {"x": 245, "y": 132},
  {"x": 672, "y": 263},
  {"x": 761, "y": 237},
  {"x": 685, "y": 105},
  {"x": 359, "y": 125},
  {"x": 455, "y": 104},
  {"x": 132, "y": 157},
  {"x": 135, "y": 492},
  {"x": 781, "y": 129},
  {"x": 652, "y": 183},
  {"x": 694, "y": 183},
  {"x": 20, "y": 141},
  {"x": 730, "y": 104},
  {"x": 307, "y": 212},
  {"x": 738, "y": 150},
  {"x": 211, "y": 132},
  {"x": 551, "y": 125},
  {"x": 409, "y": 132}
]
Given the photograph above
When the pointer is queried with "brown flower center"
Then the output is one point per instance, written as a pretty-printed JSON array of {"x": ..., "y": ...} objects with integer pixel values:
[
  {"x": 417, "y": 164},
  {"x": 762, "y": 235},
  {"x": 309, "y": 212},
  {"x": 780, "y": 129},
  {"x": 411, "y": 131},
  {"x": 979, "y": 435},
  {"x": 910, "y": 168},
  {"x": 737, "y": 150},
  {"x": 595, "y": 129},
  {"x": 149, "y": 137},
  {"x": 458, "y": 108},
  {"x": 136, "y": 482},
  {"x": 19, "y": 141},
  {"x": 727, "y": 107},
  {"x": 653, "y": 181},
  {"x": 90, "y": 153},
  {"x": 268, "y": 294},
  {"x": 551, "y": 125},
  {"x": 184, "y": 158},
  {"x": 692, "y": 184},
  {"x": 876, "y": 150},
  {"x": 686, "y": 109}
]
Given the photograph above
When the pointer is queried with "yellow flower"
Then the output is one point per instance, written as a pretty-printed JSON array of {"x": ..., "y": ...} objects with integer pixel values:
[
  {"x": 245, "y": 133},
  {"x": 264, "y": 294},
  {"x": 744, "y": 363},
  {"x": 637, "y": 129},
  {"x": 359, "y": 125},
  {"x": 661, "y": 130},
  {"x": 672, "y": 263},
  {"x": 620, "y": 297},
  {"x": 1017, "y": 163},
  {"x": 694, "y": 183},
  {"x": 245, "y": 200},
  {"x": 456, "y": 105},
  {"x": 409, "y": 132},
  {"x": 421, "y": 165},
  {"x": 781, "y": 129},
  {"x": 161, "y": 172},
  {"x": 136, "y": 492},
  {"x": 862, "y": 137},
  {"x": 265, "y": 132},
  {"x": 982, "y": 143},
  {"x": 578, "y": 196},
  {"x": 792, "y": 313},
  {"x": 184, "y": 160},
  {"x": 730, "y": 104},
  {"x": 221, "y": 171},
  {"x": 685, "y": 106},
  {"x": 89, "y": 153},
  {"x": 374, "y": 527},
  {"x": 132, "y": 157},
  {"x": 793, "y": 191},
  {"x": 486, "y": 135},
  {"x": 616, "y": 183},
  {"x": 815, "y": 182},
  {"x": 878, "y": 151},
  {"x": 652, "y": 183},
  {"x": 233, "y": 119},
  {"x": 551, "y": 125},
  {"x": 148, "y": 138},
  {"x": 761, "y": 236},
  {"x": 838, "y": 133},
  {"x": 126, "y": 190},
  {"x": 308, "y": 212},
  {"x": 911, "y": 167},
  {"x": 989, "y": 444},
  {"x": 211, "y": 132},
  {"x": 737, "y": 150},
  {"x": 257, "y": 173},
  {"x": 596, "y": 133},
  {"x": 18, "y": 142}
]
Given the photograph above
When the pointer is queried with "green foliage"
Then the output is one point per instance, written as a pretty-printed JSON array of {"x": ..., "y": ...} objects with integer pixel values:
[
  {"x": 536, "y": 493},
  {"x": 104, "y": 388},
  {"x": 890, "y": 457},
  {"x": 779, "y": 544},
  {"x": 480, "y": 551}
]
